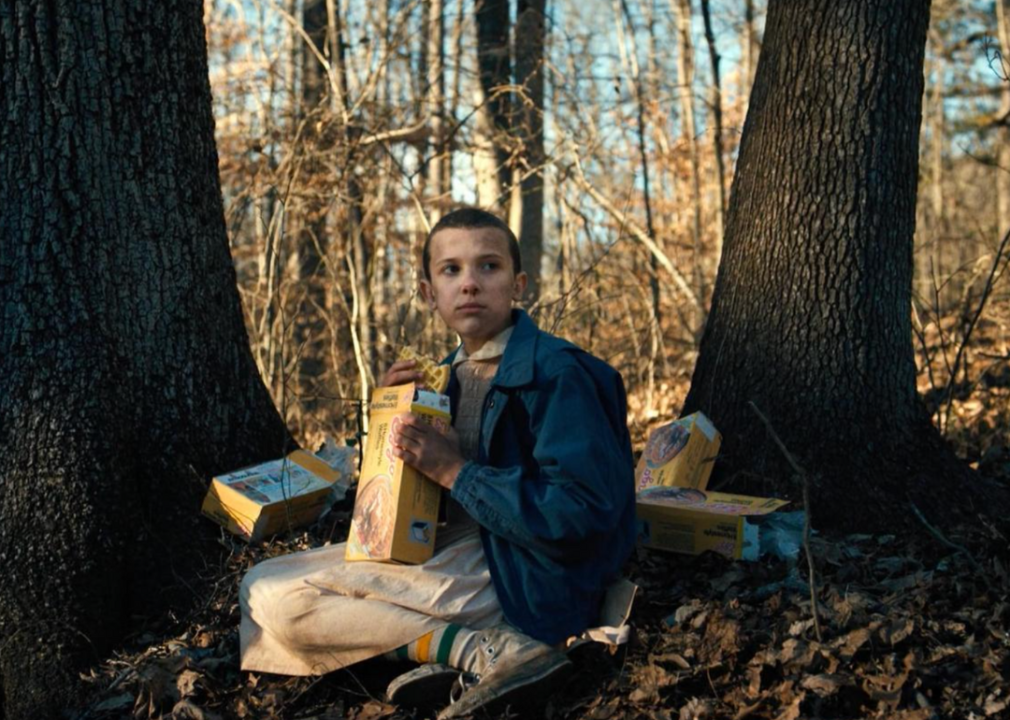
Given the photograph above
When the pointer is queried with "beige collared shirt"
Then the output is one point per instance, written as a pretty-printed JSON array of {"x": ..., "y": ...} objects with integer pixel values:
[{"x": 493, "y": 348}]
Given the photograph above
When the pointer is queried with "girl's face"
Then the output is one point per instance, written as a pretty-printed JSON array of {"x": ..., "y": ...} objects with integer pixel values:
[{"x": 472, "y": 284}]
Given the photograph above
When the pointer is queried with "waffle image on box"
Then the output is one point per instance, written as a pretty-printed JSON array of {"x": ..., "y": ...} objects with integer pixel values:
[
  {"x": 396, "y": 509},
  {"x": 680, "y": 454}
]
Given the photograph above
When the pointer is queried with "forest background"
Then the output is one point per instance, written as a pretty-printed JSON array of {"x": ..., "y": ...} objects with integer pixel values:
[{"x": 607, "y": 136}]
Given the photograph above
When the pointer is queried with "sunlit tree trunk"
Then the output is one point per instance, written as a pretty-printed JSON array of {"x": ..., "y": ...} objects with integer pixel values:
[
  {"x": 437, "y": 171},
  {"x": 689, "y": 131}
]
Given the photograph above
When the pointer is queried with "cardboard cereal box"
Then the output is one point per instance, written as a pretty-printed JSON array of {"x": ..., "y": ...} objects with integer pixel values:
[
  {"x": 692, "y": 521},
  {"x": 680, "y": 454},
  {"x": 262, "y": 500},
  {"x": 396, "y": 509}
]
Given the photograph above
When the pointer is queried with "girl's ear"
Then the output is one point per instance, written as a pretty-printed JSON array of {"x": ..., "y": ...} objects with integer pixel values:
[
  {"x": 428, "y": 293},
  {"x": 519, "y": 286}
]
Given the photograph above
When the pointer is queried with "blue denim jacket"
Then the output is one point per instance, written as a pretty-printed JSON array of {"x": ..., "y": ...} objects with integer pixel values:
[{"x": 553, "y": 484}]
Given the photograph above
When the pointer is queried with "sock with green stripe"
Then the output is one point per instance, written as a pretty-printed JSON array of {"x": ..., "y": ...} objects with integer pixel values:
[{"x": 450, "y": 644}]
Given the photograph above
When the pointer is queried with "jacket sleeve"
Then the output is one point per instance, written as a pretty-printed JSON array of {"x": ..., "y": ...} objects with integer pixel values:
[{"x": 574, "y": 496}]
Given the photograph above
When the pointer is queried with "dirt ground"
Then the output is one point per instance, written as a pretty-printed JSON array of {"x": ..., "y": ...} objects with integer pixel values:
[{"x": 913, "y": 626}]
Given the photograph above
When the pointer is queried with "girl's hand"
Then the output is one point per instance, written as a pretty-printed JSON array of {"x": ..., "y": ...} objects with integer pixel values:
[
  {"x": 423, "y": 447},
  {"x": 402, "y": 372}
]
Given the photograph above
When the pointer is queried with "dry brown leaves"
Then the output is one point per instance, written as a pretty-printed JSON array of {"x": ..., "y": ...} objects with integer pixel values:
[{"x": 910, "y": 630}]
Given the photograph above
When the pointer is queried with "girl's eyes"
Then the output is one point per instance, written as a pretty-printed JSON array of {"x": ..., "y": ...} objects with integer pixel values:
[{"x": 485, "y": 266}]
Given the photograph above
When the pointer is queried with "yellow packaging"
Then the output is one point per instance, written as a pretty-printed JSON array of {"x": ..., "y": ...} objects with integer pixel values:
[
  {"x": 692, "y": 521},
  {"x": 679, "y": 454},
  {"x": 396, "y": 510},
  {"x": 265, "y": 499}
]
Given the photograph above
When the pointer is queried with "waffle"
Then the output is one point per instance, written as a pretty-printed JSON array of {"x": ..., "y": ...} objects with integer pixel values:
[{"x": 436, "y": 377}]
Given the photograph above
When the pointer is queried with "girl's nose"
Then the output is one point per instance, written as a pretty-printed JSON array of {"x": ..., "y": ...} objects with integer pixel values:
[{"x": 469, "y": 282}]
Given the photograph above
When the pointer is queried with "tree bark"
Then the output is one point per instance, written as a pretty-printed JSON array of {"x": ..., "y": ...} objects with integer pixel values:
[
  {"x": 750, "y": 49},
  {"x": 685, "y": 81},
  {"x": 126, "y": 377},
  {"x": 810, "y": 316},
  {"x": 311, "y": 237},
  {"x": 716, "y": 102},
  {"x": 530, "y": 39},
  {"x": 437, "y": 176},
  {"x": 1003, "y": 133},
  {"x": 494, "y": 61}
]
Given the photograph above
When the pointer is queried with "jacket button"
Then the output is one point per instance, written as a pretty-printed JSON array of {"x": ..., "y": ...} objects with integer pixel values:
[{"x": 491, "y": 404}]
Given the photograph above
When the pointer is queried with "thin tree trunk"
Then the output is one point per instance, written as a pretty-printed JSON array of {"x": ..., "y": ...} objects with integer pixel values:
[
  {"x": 643, "y": 157},
  {"x": 685, "y": 82},
  {"x": 936, "y": 152},
  {"x": 436, "y": 171},
  {"x": 716, "y": 102},
  {"x": 530, "y": 41},
  {"x": 494, "y": 116},
  {"x": 1003, "y": 133},
  {"x": 311, "y": 237},
  {"x": 749, "y": 50}
]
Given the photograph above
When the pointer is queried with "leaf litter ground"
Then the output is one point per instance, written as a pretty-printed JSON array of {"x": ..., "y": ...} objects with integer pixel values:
[{"x": 910, "y": 628}]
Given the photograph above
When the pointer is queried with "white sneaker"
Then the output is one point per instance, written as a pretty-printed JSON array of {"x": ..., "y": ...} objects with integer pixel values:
[{"x": 513, "y": 669}]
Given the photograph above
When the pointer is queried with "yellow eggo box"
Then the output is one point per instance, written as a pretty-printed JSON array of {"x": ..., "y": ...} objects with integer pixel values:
[
  {"x": 692, "y": 521},
  {"x": 679, "y": 454},
  {"x": 396, "y": 509},
  {"x": 272, "y": 497}
]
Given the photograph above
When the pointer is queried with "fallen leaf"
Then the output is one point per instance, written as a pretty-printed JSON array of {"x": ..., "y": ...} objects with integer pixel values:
[
  {"x": 825, "y": 685},
  {"x": 849, "y": 644},
  {"x": 373, "y": 710},
  {"x": 185, "y": 710},
  {"x": 792, "y": 712},
  {"x": 695, "y": 709},
  {"x": 186, "y": 683},
  {"x": 895, "y": 632}
]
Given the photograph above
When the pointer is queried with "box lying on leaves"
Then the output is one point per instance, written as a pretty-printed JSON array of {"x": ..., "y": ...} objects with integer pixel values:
[
  {"x": 693, "y": 521},
  {"x": 681, "y": 453},
  {"x": 265, "y": 499},
  {"x": 396, "y": 509}
]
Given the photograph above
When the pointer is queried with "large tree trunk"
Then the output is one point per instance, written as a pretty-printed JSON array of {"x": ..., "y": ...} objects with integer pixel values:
[
  {"x": 125, "y": 371},
  {"x": 810, "y": 318}
]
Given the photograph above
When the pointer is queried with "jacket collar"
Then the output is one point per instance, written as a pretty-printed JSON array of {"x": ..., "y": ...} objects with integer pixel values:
[{"x": 516, "y": 368}]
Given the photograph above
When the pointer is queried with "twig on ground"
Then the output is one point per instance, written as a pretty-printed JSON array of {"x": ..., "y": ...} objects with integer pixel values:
[
  {"x": 812, "y": 577},
  {"x": 949, "y": 543}
]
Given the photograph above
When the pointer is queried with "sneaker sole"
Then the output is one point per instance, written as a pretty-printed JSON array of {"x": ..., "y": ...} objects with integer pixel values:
[
  {"x": 525, "y": 690},
  {"x": 427, "y": 692}
]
